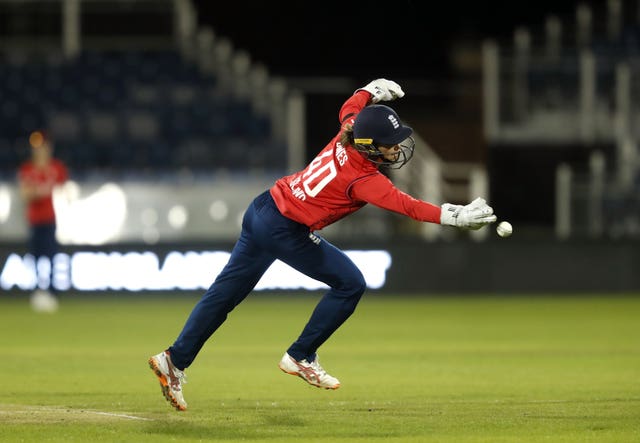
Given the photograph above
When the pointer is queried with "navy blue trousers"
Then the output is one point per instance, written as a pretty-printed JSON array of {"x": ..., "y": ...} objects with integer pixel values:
[
  {"x": 43, "y": 243},
  {"x": 266, "y": 236}
]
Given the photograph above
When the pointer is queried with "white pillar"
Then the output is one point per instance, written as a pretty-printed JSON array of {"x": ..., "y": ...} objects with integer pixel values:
[
  {"x": 71, "y": 28},
  {"x": 296, "y": 130},
  {"x": 584, "y": 26},
  {"x": 430, "y": 181},
  {"x": 626, "y": 146},
  {"x": 627, "y": 161},
  {"x": 185, "y": 23},
  {"x": 553, "y": 37},
  {"x": 479, "y": 187},
  {"x": 563, "y": 201},
  {"x": 596, "y": 194},
  {"x": 623, "y": 99},
  {"x": 223, "y": 50},
  {"x": 520, "y": 89},
  {"x": 259, "y": 85},
  {"x": 587, "y": 96},
  {"x": 491, "y": 89},
  {"x": 240, "y": 67},
  {"x": 205, "y": 58},
  {"x": 279, "y": 108},
  {"x": 614, "y": 19}
]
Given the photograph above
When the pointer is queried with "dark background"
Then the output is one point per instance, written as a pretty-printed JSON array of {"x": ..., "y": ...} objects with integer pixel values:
[{"x": 394, "y": 39}]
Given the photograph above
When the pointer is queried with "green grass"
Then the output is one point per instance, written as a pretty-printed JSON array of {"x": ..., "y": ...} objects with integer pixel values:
[{"x": 413, "y": 369}]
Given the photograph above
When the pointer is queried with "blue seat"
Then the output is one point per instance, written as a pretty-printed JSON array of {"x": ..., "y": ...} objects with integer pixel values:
[{"x": 197, "y": 125}]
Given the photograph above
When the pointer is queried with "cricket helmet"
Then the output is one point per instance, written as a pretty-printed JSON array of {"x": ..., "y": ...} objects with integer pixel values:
[{"x": 379, "y": 125}]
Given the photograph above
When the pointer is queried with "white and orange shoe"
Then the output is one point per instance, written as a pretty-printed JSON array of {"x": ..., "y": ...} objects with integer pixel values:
[
  {"x": 43, "y": 301},
  {"x": 312, "y": 372},
  {"x": 171, "y": 379}
]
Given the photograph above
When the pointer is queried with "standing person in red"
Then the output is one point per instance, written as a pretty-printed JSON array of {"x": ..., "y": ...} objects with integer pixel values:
[
  {"x": 281, "y": 223},
  {"x": 37, "y": 178}
]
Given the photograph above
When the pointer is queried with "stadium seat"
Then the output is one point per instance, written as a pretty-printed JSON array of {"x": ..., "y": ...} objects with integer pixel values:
[{"x": 103, "y": 106}]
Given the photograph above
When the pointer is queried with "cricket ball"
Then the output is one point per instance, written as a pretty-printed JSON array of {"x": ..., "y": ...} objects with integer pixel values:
[{"x": 504, "y": 229}]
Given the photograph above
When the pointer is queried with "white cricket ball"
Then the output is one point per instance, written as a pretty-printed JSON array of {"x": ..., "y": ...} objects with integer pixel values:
[{"x": 504, "y": 229}]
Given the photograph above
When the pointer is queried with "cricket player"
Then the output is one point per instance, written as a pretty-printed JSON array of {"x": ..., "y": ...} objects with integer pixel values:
[
  {"x": 37, "y": 178},
  {"x": 282, "y": 223}
]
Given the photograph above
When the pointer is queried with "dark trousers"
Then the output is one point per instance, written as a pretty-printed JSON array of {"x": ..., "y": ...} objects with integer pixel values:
[
  {"x": 43, "y": 244},
  {"x": 266, "y": 236}
]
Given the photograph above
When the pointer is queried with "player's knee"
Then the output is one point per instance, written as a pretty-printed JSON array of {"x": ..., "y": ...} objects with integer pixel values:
[{"x": 354, "y": 284}]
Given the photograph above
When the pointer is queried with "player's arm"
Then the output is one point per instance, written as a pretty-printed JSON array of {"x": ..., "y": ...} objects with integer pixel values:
[
  {"x": 380, "y": 191},
  {"x": 28, "y": 190},
  {"x": 379, "y": 90},
  {"x": 33, "y": 191},
  {"x": 354, "y": 105}
]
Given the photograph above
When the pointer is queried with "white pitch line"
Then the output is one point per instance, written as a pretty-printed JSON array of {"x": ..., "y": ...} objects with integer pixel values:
[
  {"x": 113, "y": 414},
  {"x": 80, "y": 411}
]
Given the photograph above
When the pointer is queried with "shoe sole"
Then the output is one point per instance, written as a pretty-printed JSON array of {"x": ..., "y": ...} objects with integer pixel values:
[
  {"x": 164, "y": 385},
  {"x": 297, "y": 374}
]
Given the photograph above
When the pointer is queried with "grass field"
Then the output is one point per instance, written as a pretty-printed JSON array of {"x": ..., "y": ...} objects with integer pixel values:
[{"x": 413, "y": 369}]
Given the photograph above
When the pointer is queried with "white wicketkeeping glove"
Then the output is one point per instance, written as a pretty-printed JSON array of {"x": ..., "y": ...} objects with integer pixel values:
[
  {"x": 472, "y": 216},
  {"x": 383, "y": 90}
]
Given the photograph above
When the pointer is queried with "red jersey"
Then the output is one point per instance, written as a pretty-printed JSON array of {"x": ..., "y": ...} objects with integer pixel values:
[
  {"x": 340, "y": 180},
  {"x": 40, "y": 209}
]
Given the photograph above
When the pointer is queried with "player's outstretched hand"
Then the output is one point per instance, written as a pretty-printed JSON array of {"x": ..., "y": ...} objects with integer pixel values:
[
  {"x": 472, "y": 216},
  {"x": 383, "y": 90}
]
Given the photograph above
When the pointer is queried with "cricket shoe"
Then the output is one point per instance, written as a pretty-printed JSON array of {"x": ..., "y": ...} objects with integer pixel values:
[
  {"x": 43, "y": 301},
  {"x": 171, "y": 379},
  {"x": 312, "y": 372}
]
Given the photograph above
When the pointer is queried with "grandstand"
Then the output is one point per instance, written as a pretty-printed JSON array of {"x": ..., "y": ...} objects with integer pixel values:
[
  {"x": 120, "y": 111},
  {"x": 559, "y": 115},
  {"x": 114, "y": 108}
]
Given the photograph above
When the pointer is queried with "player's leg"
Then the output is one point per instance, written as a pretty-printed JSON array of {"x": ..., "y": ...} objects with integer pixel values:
[
  {"x": 246, "y": 265},
  {"x": 326, "y": 263},
  {"x": 315, "y": 257},
  {"x": 43, "y": 246},
  {"x": 49, "y": 250},
  {"x": 322, "y": 261}
]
